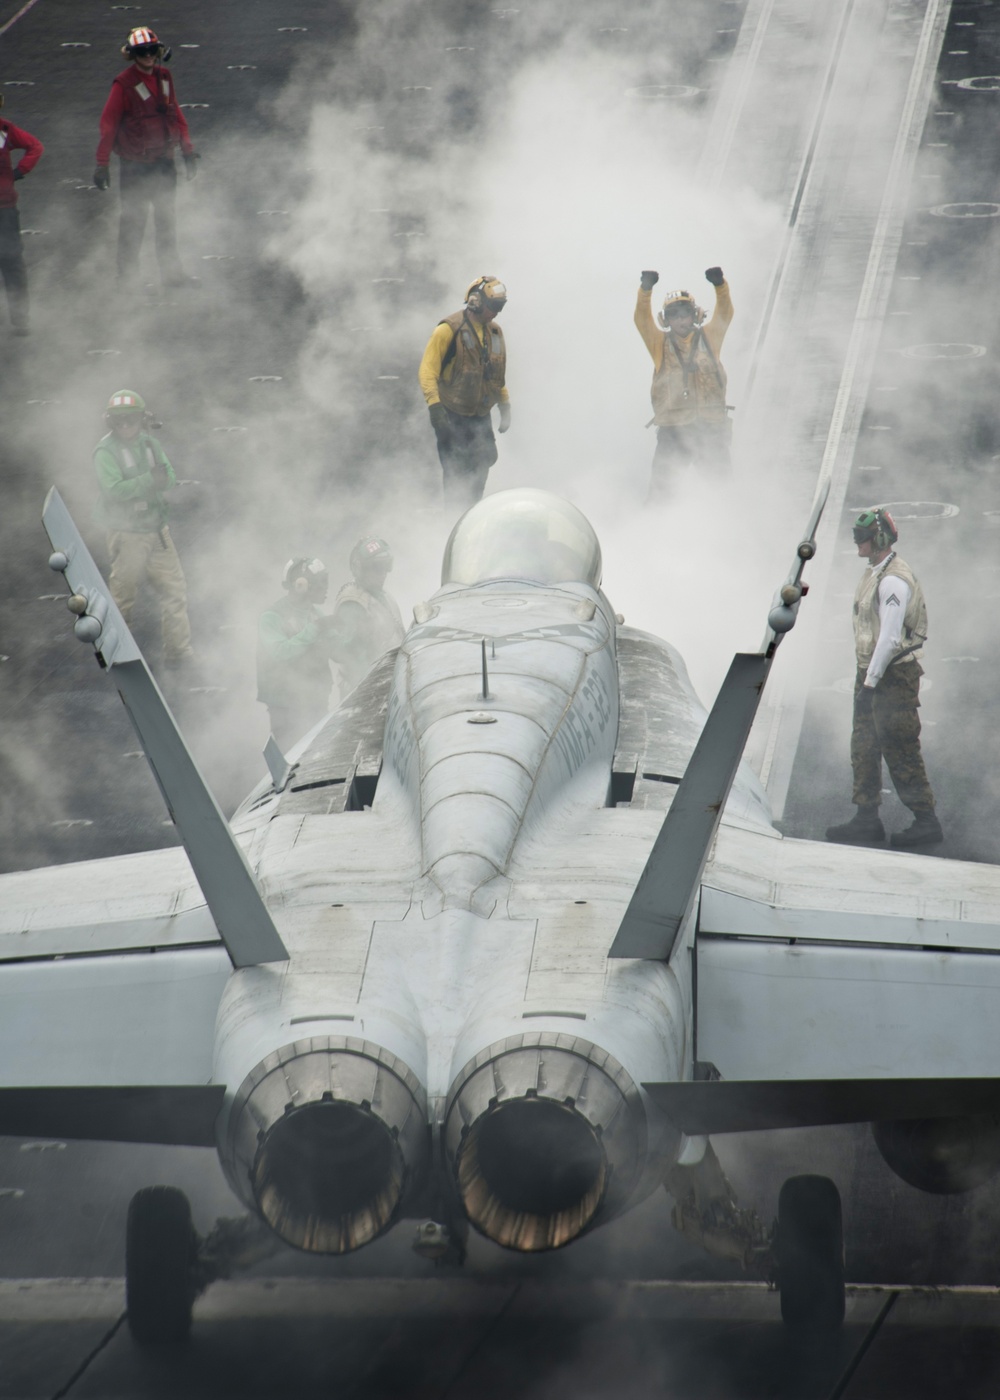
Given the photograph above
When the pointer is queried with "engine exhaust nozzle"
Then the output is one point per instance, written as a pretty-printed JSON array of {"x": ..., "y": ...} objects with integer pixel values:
[
  {"x": 546, "y": 1136},
  {"x": 329, "y": 1133}
]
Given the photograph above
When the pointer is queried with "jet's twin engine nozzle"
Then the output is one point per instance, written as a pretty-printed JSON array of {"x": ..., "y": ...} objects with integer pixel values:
[
  {"x": 330, "y": 1132},
  {"x": 546, "y": 1135}
]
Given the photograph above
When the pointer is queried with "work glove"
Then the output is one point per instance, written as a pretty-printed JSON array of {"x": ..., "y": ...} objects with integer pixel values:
[
  {"x": 715, "y": 276},
  {"x": 648, "y": 280},
  {"x": 504, "y": 418},
  {"x": 191, "y": 165},
  {"x": 864, "y": 698},
  {"x": 102, "y": 177},
  {"x": 439, "y": 422},
  {"x": 161, "y": 477},
  {"x": 18, "y": 174}
]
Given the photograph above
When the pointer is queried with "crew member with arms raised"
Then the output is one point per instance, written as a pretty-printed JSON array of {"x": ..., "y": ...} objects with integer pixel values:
[{"x": 689, "y": 382}]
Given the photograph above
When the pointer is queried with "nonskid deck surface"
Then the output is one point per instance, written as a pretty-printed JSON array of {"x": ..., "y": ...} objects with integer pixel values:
[{"x": 460, "y": 1338}]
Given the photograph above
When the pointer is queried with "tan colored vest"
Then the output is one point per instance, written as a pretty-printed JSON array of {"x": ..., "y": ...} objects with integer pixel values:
[
  {"x": 385, "y": 630},
  {"x": 690, "y": 385},
  {"x": 474, "y": 375},
  {"x": 866, "y": 615}
]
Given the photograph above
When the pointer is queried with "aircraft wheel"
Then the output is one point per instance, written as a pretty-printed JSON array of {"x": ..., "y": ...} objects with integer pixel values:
[
  {"x": 160, "y": 1255},
  {"x": 811, "y": 1253}
]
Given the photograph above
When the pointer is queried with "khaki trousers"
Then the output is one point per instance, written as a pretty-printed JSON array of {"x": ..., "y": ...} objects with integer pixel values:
[
  {"x": 891, "y": 730},
  {"x": 150, "y": 555}
]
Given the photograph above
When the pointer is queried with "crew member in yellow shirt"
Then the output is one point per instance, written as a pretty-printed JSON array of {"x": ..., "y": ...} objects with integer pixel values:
[
  {"x": 689, "y": 383},
  {"x": 463, "y": 376}
]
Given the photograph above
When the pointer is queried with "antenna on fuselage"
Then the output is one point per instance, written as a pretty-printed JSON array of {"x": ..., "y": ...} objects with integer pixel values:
[{"x": 486, "y": 680}]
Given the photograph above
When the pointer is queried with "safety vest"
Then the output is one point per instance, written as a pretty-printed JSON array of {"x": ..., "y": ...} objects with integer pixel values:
[
  {"x": 474, "y": 372},
  {"x": 138, "y": 514},
  {"x": 690, "y": 384},
  {"x": 866, "y": 615},
  {"x": 149, "y": 129},
  {"x": 302, "y": 676},
  {"x": 384, "y": 631}
]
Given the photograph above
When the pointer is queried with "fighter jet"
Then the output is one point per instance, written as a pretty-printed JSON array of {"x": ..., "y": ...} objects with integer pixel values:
[{"x": 502, "y": 943}]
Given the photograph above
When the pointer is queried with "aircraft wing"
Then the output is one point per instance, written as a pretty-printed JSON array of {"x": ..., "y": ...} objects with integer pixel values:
[
  {"x": 839, "y": 984},
  {"x": 110, "y": 977}
]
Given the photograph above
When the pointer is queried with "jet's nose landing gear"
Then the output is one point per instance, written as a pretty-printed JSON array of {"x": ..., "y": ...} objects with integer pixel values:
[
  {"x": 161, "y": 1254},
  {"x": 810, "y": 1254}
]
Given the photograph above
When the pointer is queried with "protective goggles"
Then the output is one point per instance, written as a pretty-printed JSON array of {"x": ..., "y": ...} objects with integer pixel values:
[{"x": 145, "y": 50}]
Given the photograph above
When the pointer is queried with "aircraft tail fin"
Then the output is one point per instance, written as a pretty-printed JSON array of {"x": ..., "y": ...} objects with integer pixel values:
[
  {"x": 669, "y": 883},
  {"x": 220, "y": 867},
  {"x": 707, "y": 1107}
]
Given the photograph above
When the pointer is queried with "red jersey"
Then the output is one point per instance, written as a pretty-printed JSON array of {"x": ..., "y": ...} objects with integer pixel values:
[
  {"x": 12, "y": 138},
  {"x": 141, "y": 119}
]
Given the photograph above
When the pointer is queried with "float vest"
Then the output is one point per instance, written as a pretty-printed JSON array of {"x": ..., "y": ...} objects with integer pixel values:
[
  {"x": 384, "y": 631},
  {"x": 866, "y": 615},
  {"x": 301, "y": 676},
  {"x": 149, "y": 130},
  {"x": 137, "y": 514},
  {"x": 690, "y": 385},
  {"x": 473, "y": 373}
]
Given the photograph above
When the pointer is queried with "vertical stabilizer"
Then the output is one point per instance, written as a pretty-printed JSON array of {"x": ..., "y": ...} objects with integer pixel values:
[{"x": 244, "y": 923}]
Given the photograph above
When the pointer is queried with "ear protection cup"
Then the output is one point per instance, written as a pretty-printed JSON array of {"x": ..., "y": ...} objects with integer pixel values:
[{"x": 301, "y": 584}]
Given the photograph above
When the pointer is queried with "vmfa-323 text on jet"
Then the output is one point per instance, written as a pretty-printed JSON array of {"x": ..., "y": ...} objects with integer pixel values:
[{"x": 449, "y": 961}]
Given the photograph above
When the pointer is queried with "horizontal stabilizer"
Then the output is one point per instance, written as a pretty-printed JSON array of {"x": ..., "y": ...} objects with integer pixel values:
[
  {"x": 180, "y": 1115},
  {"x": 244, "y": 923},
  {"x": 747, "y": 1106}
]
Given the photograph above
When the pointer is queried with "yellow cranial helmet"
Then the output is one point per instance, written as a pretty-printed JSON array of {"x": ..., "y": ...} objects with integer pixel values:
[
  {"x": 683, "y": 300},
  {"x": 486, "y": 289}
]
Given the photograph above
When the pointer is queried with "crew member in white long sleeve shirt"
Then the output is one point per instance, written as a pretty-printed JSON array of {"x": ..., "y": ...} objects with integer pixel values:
[{"x": 890, "y": 628}]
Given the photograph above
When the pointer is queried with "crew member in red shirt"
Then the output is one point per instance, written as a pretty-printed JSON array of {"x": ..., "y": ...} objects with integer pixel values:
[
  {"x": 15, "y": 274},
  {"x": 143, "y": 125}
]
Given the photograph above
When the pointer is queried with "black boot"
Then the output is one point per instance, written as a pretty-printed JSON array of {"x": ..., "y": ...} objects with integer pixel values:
[
  {"x": 925, "y": 831},
  {"x": 864, "y": 829}
]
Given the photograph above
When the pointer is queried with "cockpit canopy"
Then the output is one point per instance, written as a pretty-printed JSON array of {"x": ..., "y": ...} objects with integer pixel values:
[{"x": 523, "y": 534}]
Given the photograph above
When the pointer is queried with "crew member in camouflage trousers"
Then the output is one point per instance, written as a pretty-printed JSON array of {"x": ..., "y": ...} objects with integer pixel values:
[{"x": 890, "y": 628}]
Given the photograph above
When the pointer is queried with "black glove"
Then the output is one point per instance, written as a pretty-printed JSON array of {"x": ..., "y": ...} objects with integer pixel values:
[
  {"x": 160, "y": 475},
  {"x": 439, "y": 422},
  {"x": 648, "y": 280},
  {"x": 19, "y": 174},
  {"x": 102, "y": 177},
  {"x": 864, "y": 698},
  {"x": 715, "y": 276},
  {"x": 191, "y": 165}
]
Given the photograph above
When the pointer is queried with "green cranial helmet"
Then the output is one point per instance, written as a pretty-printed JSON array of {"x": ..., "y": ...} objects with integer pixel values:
[
  {"x": 124, "y": 402},
  {"x": 877, "y": 525}
]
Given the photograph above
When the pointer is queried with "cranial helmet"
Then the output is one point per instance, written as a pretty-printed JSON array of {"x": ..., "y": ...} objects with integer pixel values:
[
  {"x": 683, "y": 299},
  {"x": 877, "y": 525},
  {"x": 123, "y": 403},
  {"x": 143, "y": 40},
  {"x": 305, "y": 576},
  {"x": 369, "y": 550},
  {"x": 486, "y": 291}
]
